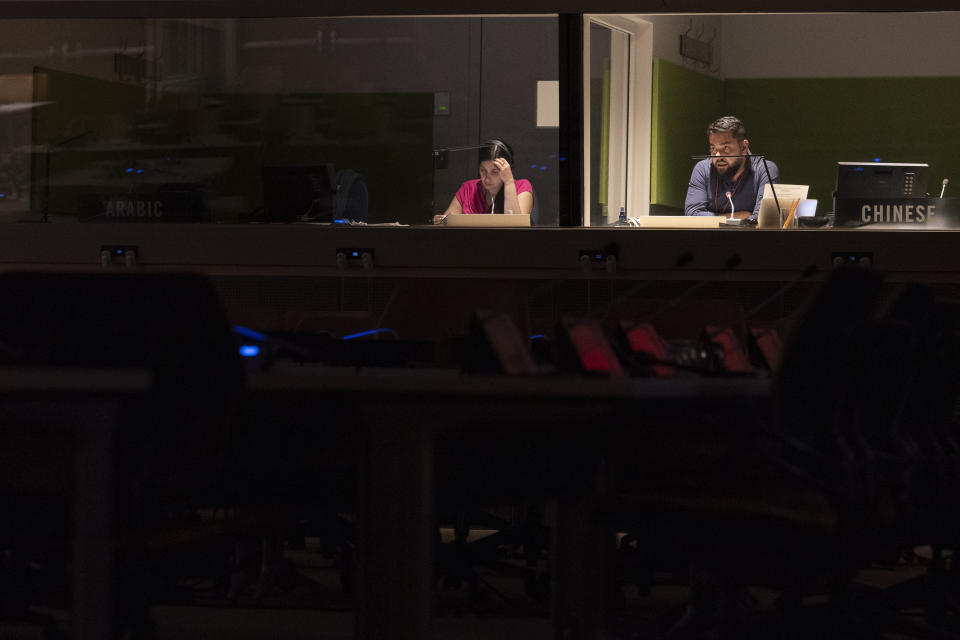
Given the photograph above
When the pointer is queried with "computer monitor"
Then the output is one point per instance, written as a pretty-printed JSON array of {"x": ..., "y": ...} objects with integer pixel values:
[{"x": 881, "y": 180}]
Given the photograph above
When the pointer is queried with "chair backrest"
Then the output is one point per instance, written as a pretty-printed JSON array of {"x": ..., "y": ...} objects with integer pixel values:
[
  {"x": 351, "y": 200},
  {"x": 891, "y": 362},
  {"x": 820, "y": 356},
  {"x": 169, "y": 323},
  {"x": 535, "y": 212}
]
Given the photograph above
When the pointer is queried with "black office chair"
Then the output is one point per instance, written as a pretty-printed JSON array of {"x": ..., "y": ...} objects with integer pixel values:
[
  {"x": 535, "y": 211},
  {"x": 787, "y": 511},
  {"x": 912, "y": 435},
  {"x": 351, "y": 199},
  {"x": 170, "y": 323},
  {"x": 172, "y": 442}
]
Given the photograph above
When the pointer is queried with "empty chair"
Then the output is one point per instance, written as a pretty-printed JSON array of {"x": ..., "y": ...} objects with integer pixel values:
[
  {"x": 785, "y": 511},
  {"x": 171, "y": 443}
]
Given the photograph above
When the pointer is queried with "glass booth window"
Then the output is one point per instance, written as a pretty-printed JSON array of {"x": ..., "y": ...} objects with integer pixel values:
[
  {"x": 326, "y": 120},
  {"x": 809, "y": 98}
]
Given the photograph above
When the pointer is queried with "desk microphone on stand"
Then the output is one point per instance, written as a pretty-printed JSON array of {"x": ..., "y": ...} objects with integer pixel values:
[
  {"x": 731, "y": 221},
  {"x": 944, "y": 187}
]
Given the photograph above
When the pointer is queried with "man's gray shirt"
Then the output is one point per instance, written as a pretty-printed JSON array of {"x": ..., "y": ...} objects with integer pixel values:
[{"x": 707, "y": 193}]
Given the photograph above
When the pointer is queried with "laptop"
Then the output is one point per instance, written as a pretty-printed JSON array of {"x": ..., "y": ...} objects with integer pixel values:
[{"x": 488, "y": 220}]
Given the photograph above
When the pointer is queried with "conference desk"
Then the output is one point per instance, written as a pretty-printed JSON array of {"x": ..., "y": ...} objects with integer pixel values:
[
  {"x": 397, "y": 417},
  {"x": 402, "y": 414}
]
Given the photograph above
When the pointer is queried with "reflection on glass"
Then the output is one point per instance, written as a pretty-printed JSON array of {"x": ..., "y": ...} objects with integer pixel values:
[
  {"x": 608, "y": 123},
  {"x": 264, "y": 120}
]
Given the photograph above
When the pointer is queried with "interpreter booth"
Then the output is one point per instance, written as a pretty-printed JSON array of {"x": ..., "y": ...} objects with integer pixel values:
[
  {"x": 300, "y": 163},
  {"x": 310, "y": 160}
]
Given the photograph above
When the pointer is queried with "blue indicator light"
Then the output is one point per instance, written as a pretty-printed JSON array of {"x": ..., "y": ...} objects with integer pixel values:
[
  {"x": 355, "y": 254},
  {"x": 129, "y": 169},
  {"x": 876, "y": 159},
  {"x": 538, "y": 336},
  {"x": 341, "y": 221},
  {"x": 249, "y": 350},
  {"x": 859, "y": 169},
  {"x": 139, "y": 170},
  {"x": 533, "y": 166},
  {"x": 543, "y": 168},
  {"x": 248, "y": 333},
  {"x": 599, "y": 256},
  {"x": 369, "y": 333},
  {"x": 2, "y": 195}
]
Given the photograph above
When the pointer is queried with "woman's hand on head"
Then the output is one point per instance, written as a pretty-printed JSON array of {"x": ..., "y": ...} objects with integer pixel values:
[{"x": 506, "y": 172}]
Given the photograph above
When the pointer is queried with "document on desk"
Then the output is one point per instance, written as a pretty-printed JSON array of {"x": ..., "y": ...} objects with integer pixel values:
[{"x": 787, "y": 193}]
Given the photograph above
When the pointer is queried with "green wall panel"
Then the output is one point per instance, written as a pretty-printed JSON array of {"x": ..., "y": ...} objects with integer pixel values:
[
  {"x": 684, "y": 103},
  {"x": 807, "y": 125}
]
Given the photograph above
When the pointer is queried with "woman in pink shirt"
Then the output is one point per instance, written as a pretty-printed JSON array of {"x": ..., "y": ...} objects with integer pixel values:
[{"x": 496, "y": 191}]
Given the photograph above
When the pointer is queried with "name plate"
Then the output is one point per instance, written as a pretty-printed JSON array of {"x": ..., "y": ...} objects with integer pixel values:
[
  {"x": 900, "y": 213},
  {"x": 167, "y": 205}
]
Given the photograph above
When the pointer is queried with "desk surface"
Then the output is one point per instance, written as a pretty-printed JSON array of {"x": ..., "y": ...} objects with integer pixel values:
[
  {"x": 292, "y": 251},
  {"x": 450, "y": 382},
  {"x": 73, "y": 380},
  {"x": 400, "y": 416}
]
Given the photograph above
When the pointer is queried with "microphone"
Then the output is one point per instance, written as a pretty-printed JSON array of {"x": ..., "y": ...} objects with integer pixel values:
[
  {"x": 944, "y": 187},
  {"x": 440, "y": 154},
  {"x": 731, "y": 221}
]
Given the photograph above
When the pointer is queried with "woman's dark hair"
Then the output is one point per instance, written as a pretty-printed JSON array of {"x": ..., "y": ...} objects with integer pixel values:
[{"x": 491, "y": 150}]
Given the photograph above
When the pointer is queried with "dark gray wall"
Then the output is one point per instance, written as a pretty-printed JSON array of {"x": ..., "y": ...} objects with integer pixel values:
[
  {"x": 516, "y": 53},
  {"x": 488, "y": 66}
]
